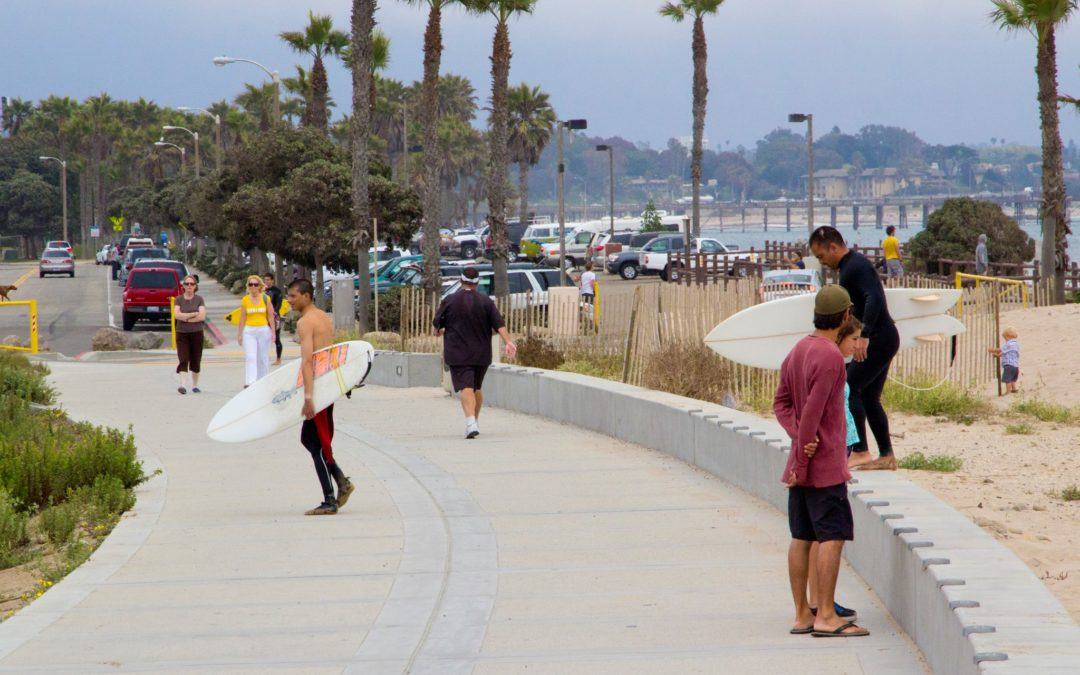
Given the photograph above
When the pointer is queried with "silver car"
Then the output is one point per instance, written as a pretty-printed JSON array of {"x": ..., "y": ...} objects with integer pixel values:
[{"x": 56, "y": 261}]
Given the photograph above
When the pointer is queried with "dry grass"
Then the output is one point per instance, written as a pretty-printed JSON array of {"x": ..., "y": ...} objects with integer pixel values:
[{"x": 689, "y": 369}]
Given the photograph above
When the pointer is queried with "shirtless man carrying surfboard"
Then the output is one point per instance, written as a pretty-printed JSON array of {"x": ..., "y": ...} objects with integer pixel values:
[{"x": 316, "y": 331}]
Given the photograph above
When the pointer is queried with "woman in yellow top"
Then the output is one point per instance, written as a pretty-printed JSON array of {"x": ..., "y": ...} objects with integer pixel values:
[
  {"x": 891, "y": 245},
  {"x": 256, "y": 334}
]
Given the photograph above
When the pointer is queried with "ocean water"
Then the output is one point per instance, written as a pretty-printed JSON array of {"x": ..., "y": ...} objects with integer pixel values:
[{"x": 865, "y": 236}]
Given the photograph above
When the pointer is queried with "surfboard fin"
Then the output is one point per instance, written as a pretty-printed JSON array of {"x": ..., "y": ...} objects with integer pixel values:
[
  {"x": 936, "y": 337},
  {"x": 933, "y": 297}
]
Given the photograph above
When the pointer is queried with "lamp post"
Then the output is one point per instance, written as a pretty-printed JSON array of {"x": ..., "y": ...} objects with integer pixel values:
[
  {"x": 798, "y": 118},
  {"x": 63, "y": 188},
  {"x": 561, "y": 188},
  {"x": 611, "y": 180},
  {"x": 162, "y": 143},
  {"x": 217, "y": 131},
  {"x": 194, "y": 135},
  {"x": 222, "y": 61}
]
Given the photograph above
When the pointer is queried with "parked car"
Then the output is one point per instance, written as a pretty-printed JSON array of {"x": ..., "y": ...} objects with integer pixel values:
[
  {"x": 777, "y": 284},
  {"x": 653, "y": 258},
  {"x": 521, "y": 281},
  {"x": 102, "y": 256},
  {"x": 177, "y": 265},
  {"x": 625, "y": 263},
  {"x": 139, "y": 253},
  {"x": 59, "y": 244},
  {"x": 56, "y": 261},
  {"x": 469, "y": 243},
  {"x": 147, "y": 294},
  {"x": 131, "y": 241}
]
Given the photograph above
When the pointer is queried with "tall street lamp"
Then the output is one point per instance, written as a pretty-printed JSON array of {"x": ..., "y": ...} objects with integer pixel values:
[
  {"x": 63, "y": 188},
  {"x": 194, "y": 135},
  {"x": 223, "y": 61},
  {"x": 161, "y": 143},
  {"x": 572, "y": 125},
  {"x": 611, "y": 180},
  {"x": 217, "y": 131},
  {"x": 799, "y": 118}
]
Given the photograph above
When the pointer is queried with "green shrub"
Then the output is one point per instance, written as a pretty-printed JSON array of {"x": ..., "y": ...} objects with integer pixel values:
[
  {"x": 23, "y": 379},
  {"x": 12, "y": 530},
  {"x": 1020, "y": 429},
  {"x": 1071, "y": 493},
  {"x": 58, "y": 522},
  {"x": 952, "y": 233},
  {"x": 917, "y": 461},
  {"x": 1045, "y": 411},
  {"x": 607, "y": 366},
  {"x": 389, "y": 311},
  {"x": 534, "y": 352},
  {"x": 949, "y": 400}
]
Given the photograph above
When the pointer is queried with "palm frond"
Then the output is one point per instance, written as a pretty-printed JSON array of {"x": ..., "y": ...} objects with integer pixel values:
[{"x": 673, "y": 11}]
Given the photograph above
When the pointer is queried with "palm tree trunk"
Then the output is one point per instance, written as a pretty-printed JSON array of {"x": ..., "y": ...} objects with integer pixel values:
[
  {"x": 500, "y": 150},
  {"x": 523, "y": 193},
  {"x": 316, "y": 108},
  {"x": 1055, "y": 218},
  {"x": 429, "y": 102},
  {"x": 701, "y": 93},
  {"x": 363, "y": 24}
]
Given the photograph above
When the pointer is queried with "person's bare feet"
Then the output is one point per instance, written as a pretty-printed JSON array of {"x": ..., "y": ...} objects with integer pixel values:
[
  {"x": 803, "y": 624},
  {"x": 278, "y": 362},
  {"x": 858, "y": 459},
  {"x": 839, "y": 628},
  {"x": 886, "y": 463}
]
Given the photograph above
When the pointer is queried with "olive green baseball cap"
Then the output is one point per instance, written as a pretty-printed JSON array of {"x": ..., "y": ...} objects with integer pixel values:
[{"x": 831, "y": 299}]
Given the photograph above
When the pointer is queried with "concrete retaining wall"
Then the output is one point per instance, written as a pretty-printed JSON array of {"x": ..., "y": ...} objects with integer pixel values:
[{"x": 968, "y": 602}]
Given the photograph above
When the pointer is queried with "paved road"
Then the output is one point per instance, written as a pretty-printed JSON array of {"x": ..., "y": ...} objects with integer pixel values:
[
  {"x": 70, "y": 310},
  {"x": 537, "y": 548}
]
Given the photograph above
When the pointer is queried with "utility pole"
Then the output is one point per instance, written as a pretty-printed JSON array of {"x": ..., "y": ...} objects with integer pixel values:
[
  {"x": 561, "y": 188},
  {"x": 611, "y": 181},
  {"x": 799, "y": 118}
]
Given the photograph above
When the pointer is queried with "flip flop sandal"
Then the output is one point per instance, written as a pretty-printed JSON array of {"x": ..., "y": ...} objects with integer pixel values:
[
  {"x": 802, "y": 631},
  {"x": 839, "y": 632}
]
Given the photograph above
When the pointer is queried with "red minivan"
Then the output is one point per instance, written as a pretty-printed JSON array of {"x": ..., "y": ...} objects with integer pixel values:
[{"x": 147, "y": 294}]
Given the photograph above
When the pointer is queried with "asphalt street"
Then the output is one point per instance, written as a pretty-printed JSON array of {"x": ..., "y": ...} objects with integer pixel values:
[{"x": 70, "y": 310}]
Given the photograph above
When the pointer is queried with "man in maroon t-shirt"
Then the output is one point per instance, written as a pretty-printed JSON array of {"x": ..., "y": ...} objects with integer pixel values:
[{"x": 809, "y": 404}]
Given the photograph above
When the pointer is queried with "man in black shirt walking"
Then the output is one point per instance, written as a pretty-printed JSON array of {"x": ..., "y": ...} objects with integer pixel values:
[
  {"x": 867, "y": 373},
  {"x": 276, "y": 298},
  {"x": 466, "y": 320}
]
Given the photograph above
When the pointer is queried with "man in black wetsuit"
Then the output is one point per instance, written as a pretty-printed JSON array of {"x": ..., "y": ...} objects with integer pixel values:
[{"x": 867, "y": 373}]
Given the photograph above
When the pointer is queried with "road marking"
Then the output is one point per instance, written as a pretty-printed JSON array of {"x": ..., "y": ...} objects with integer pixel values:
[
  {"x": 108, "y": 295},
  {"x": 20, "y": 280}
]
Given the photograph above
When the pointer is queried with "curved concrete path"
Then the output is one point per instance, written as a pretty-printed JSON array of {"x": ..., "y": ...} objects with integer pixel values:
[{"x": 537, "y": 547}]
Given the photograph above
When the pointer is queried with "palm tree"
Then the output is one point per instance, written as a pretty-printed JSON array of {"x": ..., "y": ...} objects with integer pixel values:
[
  {"x": 1041, "y": 18},
  {"x": 502, "y": 10},
  {"x": 429, "y": 122},
  {"x": 457, "y": 97},
  {"x": 16, "y": 112},
  {"x": 678, "y": 11},
  {"x": 531, "y": 121},
  {"x": 361, "y": 47},
  {"x": 258, "y": 101},
  {"x": 318, "y": 39}
]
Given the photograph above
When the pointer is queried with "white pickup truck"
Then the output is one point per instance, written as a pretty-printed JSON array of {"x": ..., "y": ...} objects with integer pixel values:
[{"x": 653, "y": 257}]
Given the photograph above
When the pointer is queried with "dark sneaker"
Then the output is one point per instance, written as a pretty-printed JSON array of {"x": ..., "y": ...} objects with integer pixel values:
[
  {"x": 181, "y": 390},
  {"x": 344, "y": 491},
  {"x": 324, "y": 509},
  {"x": 196, "y": 390}
]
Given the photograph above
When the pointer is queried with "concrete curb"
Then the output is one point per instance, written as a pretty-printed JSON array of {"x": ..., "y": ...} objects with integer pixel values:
[{"x": 967, "y": 601}]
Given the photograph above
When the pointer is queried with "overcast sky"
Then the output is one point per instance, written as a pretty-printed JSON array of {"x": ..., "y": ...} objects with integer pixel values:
[{"x": 937, "y": 67}]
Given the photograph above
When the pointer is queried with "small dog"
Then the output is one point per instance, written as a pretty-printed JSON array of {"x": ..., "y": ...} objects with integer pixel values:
[{"x": 4, "y": 290}]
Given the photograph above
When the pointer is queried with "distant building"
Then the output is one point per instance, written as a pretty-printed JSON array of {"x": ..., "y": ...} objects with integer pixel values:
[{"x": 870, "y": 183}]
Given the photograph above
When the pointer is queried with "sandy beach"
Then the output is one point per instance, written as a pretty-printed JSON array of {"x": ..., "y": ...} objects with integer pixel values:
[{"x": 1011, "y": 484}]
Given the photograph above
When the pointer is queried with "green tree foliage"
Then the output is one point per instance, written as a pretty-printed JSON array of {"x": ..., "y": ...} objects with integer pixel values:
[
  {"x": 954, "y": 229},
  {"x": 650, "y": 219}
]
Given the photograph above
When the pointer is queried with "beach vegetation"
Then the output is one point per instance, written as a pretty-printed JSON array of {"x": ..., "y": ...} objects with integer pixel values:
[
  {"x": 1019, "y": 429},
  {"x": 1071, "y": 493},
  {"x": 1046, "y": 411},
  {"x": 949, "y": 401},
  {"x": 952, "y": 233},
  {"x": 917, "y": 461}
]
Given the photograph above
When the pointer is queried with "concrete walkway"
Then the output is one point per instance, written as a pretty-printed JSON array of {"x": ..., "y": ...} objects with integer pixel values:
[{"x": 536, "y": 548}]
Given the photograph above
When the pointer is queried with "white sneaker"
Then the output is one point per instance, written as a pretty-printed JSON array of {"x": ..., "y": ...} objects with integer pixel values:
[{"x": 472, "y": 430}]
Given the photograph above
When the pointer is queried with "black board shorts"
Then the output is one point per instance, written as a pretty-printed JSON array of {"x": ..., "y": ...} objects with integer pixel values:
[
  {"x": 1010, "y": 374},
  {"x": 467, "y": 377},
  {"x": 820, "y": 514}
]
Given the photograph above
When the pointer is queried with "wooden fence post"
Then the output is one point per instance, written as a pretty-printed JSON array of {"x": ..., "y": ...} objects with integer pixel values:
[{"x": 628, "y": 353}]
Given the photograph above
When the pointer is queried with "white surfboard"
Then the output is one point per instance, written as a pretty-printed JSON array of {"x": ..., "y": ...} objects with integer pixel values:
[
  {"x": 274, "y": 403},
  {"x": 762, "y": 336}
]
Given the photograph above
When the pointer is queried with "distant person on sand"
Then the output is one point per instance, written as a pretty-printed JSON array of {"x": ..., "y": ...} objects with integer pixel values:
[
  {"x": 875, "y": 350},
  {"x": 1009, "y": 352},
  {"x": 809, "y": 405},
  {"x": 190, "y": 314},
  {"x": 316, "y": 331},
  {"x": 982, "y": 260},
  {"x": 890, "y": 245},
  {"x": 467, "y": 320}
]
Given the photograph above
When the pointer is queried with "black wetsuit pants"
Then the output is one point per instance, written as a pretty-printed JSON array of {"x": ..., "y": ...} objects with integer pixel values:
[
  {"x": 867, "y": 380},
  {"x": 317, "y": 435}
]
